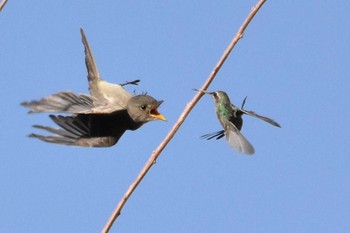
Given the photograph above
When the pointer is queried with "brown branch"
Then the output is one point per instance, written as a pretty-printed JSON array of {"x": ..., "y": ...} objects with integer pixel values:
[
  {"x": 181, "y": 119},
  {"x": 2, "y": 4}
]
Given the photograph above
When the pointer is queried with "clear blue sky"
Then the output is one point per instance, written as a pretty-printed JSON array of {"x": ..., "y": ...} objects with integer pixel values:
[{"x": 293, "y": 64}]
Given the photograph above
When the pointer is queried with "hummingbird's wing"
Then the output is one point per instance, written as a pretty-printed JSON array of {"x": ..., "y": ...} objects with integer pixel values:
[
  {"x": 268, "y": 120},
  {"x": 104, "y": 92},
  {"x": 236, "y": 140}
]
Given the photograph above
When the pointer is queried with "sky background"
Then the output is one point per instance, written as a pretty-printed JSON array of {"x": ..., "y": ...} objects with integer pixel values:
[{"x": 293, "y": 64}]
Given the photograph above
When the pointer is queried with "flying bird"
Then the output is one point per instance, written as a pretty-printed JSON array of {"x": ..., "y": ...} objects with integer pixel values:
[
  {"x": 230, "y": 118},
  {"x": 98, "y": 119}
]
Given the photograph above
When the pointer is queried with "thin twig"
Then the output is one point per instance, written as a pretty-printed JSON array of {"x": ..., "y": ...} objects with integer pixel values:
[
  {"x": 2, "y": 4},
  {"x": 181, "y": 119}
]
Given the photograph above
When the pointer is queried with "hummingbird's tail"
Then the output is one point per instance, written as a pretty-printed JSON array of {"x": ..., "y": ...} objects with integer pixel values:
[{"x": 217, "y": 135}]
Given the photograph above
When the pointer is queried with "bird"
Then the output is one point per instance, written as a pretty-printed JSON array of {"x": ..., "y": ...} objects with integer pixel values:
[
  {"x": 98, "y": 119},
  {"x": 230, "y": 118}
]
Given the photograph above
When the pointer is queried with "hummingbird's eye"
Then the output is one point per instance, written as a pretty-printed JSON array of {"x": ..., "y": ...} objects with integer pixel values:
[{"x": 143, "y": 107}]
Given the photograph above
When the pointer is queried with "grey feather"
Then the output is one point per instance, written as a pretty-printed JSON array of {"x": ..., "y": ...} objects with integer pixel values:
[
  {"x": 266, "y": 119},
  {"x": 104, "y": 92},
  {"x": 64, "y": 102},
  {"x": 236, "y": 140}
]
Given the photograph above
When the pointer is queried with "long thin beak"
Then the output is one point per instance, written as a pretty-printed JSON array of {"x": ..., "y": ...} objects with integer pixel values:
[{"x": 205, "y": 92}]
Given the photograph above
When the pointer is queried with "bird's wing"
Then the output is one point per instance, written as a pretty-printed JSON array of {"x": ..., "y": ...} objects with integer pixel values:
[
  {"x": 75, "y": 132},
  {"x": 104, "y": 92},
  {"x": 93, "y": 74},
  {"x": 236, "y": 140},
  {"x": 268, "y": 120},
  {"x": 69, "y": 102},
  {"x": 64, "y": 102},
  {"x": 85, "y": 142}
]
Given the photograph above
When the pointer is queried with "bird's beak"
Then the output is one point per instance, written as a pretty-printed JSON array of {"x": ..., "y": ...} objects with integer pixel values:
[
  {"x": 154, "y": 112},
  {"x": 205, "y": 92}
]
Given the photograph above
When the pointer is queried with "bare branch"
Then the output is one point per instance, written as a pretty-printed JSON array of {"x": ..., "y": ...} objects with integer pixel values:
[
  {"x": 2, "y": 4},
  {"x": 181, "y": 119}
]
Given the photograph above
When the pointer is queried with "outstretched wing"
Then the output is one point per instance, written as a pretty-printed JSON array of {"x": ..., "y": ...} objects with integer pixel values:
[
  {"x": 80, "y": 130},
  {"x": 105, "y": 97},
  {"x": 65, "y": 102},
  {"x": 104, "y": 92},
  {"x": 93, "y": 74},
  {"x": 236, "y": 140},
  {"x": 69, "y": 102},
  {"x": 233, "y": 137},
  {"x": 268, "y": 120}
]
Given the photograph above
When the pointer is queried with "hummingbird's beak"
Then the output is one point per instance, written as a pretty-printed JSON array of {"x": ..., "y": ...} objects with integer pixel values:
[{"x": 205, "y": 92}]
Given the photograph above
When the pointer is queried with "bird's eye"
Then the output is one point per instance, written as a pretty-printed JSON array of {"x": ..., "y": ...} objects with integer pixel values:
[{"x": 143, "y": 107}]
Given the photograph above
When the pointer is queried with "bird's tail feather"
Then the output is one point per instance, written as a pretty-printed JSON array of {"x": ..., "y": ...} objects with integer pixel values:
[{"x": 217, "y": 135}]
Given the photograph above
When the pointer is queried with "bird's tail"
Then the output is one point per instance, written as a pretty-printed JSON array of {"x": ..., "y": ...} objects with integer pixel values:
[{"x": 217, "y": 135}]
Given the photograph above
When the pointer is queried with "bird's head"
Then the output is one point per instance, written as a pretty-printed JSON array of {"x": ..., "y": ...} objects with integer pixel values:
[
  {"x": 144, "y": 108},
  {"x": 218, "y": 96}
]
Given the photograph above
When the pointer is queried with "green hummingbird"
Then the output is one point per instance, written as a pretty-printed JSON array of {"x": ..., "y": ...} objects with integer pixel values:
[{"x": 230, "y": 118}]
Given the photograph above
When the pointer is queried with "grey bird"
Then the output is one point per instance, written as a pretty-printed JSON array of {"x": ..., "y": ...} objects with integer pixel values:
[
  {"x": 230, "y": 118},
  {"x": 96, "y": 120}
]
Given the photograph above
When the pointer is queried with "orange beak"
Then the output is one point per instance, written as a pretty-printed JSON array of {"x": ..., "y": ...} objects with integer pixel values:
[{"x": 154, "y": 112}]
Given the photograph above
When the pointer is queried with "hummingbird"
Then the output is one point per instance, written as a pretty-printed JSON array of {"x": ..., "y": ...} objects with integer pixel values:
[
  {"x": 230, "y": 118},
  {"x": 98, "y": 119}
]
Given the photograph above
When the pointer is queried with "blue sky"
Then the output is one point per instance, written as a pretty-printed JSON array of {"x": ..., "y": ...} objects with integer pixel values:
[{"x": 293, "y": 64}]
